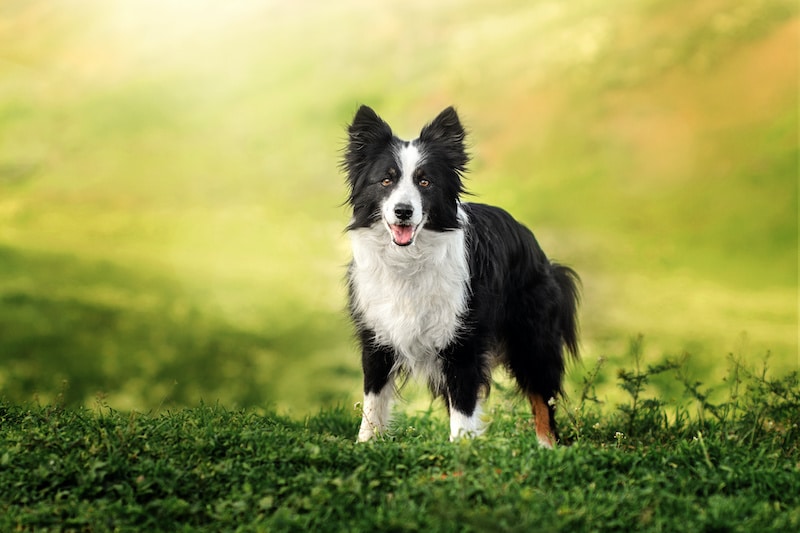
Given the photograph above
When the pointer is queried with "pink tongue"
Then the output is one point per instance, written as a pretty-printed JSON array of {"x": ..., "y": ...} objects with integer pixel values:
[{"x": 402, "y": 235}]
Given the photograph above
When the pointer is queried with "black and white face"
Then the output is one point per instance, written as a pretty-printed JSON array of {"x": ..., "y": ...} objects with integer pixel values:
[
  {"x": 406, "y": 186},
  {"x": 406, "y": 203}
]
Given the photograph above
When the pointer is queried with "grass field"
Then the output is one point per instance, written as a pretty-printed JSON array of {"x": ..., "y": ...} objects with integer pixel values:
[
  {"x": 729, "y": 466},
  {"x": 170, "y": 202}
]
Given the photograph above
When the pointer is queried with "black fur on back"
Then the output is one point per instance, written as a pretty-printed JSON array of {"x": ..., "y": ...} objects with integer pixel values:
[{"x": 522, "y": 305}]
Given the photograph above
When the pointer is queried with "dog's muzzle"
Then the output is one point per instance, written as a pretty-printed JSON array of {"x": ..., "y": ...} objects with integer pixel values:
[{"x": 402, "y": 229}]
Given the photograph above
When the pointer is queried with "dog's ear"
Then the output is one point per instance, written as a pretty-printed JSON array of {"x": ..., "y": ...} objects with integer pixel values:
[
  {"x": 367, "y": 131},
  {"x": 368, "y": 135},
  {"x": 446, "y": 133},
  {"x": 446, "y": 127}
]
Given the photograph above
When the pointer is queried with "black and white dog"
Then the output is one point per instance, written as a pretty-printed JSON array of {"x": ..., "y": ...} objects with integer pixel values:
[{"x": 443, "y": 290}]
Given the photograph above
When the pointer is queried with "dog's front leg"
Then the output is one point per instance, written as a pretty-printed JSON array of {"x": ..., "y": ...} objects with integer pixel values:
[
  {"x": 377, "y": 363},
  {"x": 466, "y": 380}
]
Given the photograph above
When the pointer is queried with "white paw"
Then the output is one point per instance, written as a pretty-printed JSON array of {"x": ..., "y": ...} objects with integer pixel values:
[
  {"x": 375, "y": 414},
  {"x": 464, "y": 426}
]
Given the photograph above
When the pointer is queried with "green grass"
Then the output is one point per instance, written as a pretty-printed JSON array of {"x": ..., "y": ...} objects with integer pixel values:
[{"x": 733, "y": 465}]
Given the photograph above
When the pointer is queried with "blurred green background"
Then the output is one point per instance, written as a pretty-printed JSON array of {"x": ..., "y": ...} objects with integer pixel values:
[{"x": 171, "y": 219}]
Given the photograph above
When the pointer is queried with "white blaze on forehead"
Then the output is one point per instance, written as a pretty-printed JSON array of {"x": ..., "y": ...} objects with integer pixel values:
[{"x": 409, "y": 158}]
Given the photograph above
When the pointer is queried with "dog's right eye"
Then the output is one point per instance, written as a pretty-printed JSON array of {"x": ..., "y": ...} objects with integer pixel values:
[{"x": 386, "y": 182}]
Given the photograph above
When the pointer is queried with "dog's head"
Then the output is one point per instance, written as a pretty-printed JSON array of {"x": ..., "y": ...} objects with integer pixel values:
[{"x": 407, "y": 186}]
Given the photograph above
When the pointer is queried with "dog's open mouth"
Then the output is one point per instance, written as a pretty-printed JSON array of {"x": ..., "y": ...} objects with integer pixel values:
[{"x": 402, "y": 234}]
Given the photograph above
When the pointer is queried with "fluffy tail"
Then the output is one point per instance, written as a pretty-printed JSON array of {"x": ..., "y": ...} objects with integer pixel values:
[{"x": 569, "y": 283}]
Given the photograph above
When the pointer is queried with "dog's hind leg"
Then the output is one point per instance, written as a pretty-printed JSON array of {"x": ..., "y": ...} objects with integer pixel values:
[
  {"x": 540, "y": 328},
  {"x": 535, "y": 359},
  {"x": 544, "y": 420}
]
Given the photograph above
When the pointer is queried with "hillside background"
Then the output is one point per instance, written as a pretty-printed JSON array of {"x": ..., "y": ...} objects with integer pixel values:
[{"x": 171, "y": 219}]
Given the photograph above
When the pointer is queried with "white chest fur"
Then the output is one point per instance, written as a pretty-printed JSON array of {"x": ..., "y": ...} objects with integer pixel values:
[{"x": 412, "y": 297}]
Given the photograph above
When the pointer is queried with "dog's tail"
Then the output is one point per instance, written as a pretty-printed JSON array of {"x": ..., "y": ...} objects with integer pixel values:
[{"x": 569, "y": 282}]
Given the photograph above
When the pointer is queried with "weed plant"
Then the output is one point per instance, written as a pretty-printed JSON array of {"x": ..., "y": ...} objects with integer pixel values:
[{"x": 645, "y": 464}]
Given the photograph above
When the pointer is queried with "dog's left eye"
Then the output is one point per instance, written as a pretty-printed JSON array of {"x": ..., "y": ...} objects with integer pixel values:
[{"x": 424, "y": 183}]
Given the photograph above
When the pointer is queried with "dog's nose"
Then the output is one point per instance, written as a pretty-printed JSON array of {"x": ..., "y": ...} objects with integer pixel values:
[{"x": 403, "y": 211}]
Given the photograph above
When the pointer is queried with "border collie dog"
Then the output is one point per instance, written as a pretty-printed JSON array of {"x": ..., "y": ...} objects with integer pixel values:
[{"x": 442, "y": 290}]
